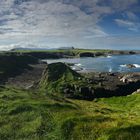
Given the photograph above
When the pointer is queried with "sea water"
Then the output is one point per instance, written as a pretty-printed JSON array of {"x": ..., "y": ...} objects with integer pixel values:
[{"x": 114, "y": 63}]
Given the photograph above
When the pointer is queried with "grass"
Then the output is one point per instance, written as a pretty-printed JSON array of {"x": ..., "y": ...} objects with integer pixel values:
[
  {"x": 57, "y": 75},
  {"x": 71, "y": 52},
  {"x": 27, "y": 115}
]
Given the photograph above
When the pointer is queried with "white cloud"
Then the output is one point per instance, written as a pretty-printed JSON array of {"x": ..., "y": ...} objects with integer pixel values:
[
  {"x": 54, "y": 17},
  {"x": 6, "y": 47},
  {"x": 130, "y": 25},
  {"x": 124, "y": 23},
  {"x": 131, "y": 16},
  {"x": 25, "y": 20},
  {"x": 51, "y": 18}
]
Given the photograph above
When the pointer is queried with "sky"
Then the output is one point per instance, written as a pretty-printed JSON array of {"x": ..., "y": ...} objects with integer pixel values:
[{"x": 95, "y": 24}]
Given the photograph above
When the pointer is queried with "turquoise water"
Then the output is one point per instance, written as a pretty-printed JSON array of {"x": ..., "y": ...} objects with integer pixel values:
[{"x": 115, "y": 63}]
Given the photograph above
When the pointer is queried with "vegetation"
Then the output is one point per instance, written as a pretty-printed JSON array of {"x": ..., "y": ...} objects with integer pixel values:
[
  {"x": 61, "y": 52},
  {"x": 28, "y": 115},
  {"x": 76, "y": 50},
  {"x": 57, "y": 75},
  {"x": 59, "y": 79},
  {"x": 31, "y": 115}
]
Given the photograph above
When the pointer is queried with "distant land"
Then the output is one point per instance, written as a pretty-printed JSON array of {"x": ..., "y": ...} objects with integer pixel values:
[
  {"x": 68, "y": 52},
  {"x": 39, "y": 48}
]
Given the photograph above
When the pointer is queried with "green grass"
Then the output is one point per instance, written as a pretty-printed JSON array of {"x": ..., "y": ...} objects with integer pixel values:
[
  {"x": 56, "y": 76},
  {"x": 27, "y": 115}
]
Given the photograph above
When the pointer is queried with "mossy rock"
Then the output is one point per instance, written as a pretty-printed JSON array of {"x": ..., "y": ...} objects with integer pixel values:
[{"x": 56, "y": 75}]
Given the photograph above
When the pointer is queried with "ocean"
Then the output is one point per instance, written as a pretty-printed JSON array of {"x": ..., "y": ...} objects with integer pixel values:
[{"x": 115, "y": 63}]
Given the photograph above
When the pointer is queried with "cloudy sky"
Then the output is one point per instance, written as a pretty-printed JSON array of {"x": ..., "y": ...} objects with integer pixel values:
[{"x": 79, "y": 23}]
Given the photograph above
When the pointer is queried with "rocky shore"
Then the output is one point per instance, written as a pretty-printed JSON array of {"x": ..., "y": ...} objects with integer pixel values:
[
  {"x": 113, "y": 84},
  {"x": 89, "y": 86},
  {"x": 68, "y": 83}
]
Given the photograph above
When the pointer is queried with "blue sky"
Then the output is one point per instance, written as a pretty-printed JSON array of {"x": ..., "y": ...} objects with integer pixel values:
[{"x": 113, "y": 24}]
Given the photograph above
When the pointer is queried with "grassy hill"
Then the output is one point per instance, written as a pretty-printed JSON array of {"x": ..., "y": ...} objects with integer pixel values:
[
  {"x": 26, "y": 115},
  {"x": 57, "y": 75}
]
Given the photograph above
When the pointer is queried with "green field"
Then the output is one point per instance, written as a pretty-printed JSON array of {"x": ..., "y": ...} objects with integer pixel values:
[
  {"x": 74, "y": 52},
  {"x": 29, "y": 115}
]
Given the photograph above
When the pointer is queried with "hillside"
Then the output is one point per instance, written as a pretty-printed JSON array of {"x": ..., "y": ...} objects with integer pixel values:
[
  {"x": 14, "y": 64},
  {"x": 57, "y": 75},
  {"x": 60, "y": 79},
  {"x": 29, "y": 115}
]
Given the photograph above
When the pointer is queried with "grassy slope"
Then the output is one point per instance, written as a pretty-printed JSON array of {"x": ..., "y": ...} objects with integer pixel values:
[
  {"x": 57, "y": 75},
  {"x": 26, "y": 115}
]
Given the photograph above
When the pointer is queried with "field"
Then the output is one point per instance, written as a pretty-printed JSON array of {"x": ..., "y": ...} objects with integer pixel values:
[
  {"x": 67, "y": 52},
  {"x": 31, "y": 115},
  {"x": 76, "y": 50}
]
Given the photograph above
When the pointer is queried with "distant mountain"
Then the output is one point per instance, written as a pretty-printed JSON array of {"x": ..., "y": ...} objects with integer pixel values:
[
  {"x": 27, "y": 49},
  {"x": 66, "y": 48}
]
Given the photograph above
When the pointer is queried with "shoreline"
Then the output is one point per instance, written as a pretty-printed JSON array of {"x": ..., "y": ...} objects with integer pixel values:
[
  {"x": 72, "y": 53},
  {"x": 107, "y": 84}
]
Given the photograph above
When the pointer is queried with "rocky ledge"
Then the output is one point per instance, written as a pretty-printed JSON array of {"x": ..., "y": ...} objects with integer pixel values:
[
  {"x": 103, "y": 53},
  {"x": 99, "y": 85},
  {"x": 88, "y": 85}
]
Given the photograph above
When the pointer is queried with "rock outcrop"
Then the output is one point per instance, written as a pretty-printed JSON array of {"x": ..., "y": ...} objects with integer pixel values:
[
  {"x": 86, "y": 54},
  {"x": 130, "y": 66},
  {"x": 132, "y": 77}
]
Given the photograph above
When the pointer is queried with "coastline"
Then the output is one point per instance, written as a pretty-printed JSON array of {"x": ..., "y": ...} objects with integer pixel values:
[
  {"x": 72, "y": 53},
  {"x": 107, "y": 84}
]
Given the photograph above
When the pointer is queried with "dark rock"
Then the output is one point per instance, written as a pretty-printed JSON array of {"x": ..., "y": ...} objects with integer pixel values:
[
  {"x": 43, "y": 62},
  {"x": 132, "y": 52},
  {"x": 44, "y": 55},
  {"x": 99, "y": 54},
  {"x": 130, "y": 66},
  {"x": 86, "y": 54},
  {"x": 130, "y": 78}
]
